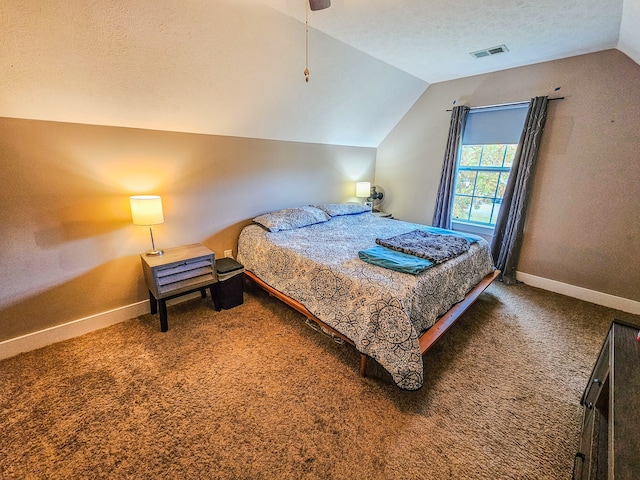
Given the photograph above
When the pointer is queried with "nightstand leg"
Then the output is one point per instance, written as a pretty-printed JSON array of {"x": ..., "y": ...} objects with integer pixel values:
[
  {"x": 203, "y": 292},
  {"x": 153, "y": 304},
  {"x": 164, "y": 324}
]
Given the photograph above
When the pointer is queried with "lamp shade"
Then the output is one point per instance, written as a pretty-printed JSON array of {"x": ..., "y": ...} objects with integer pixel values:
[
  {"x": 363, "y": 189},
  {"x": 146, "y": 210}
]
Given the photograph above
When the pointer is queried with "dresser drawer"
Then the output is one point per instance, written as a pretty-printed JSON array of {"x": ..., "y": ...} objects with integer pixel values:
[
  {"x": 610, "y": 441},
  {"x": 598, "y": 377}
]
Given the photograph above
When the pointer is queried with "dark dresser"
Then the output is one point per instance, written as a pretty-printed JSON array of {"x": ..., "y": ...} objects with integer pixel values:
[{"x": 610, "y": 439}]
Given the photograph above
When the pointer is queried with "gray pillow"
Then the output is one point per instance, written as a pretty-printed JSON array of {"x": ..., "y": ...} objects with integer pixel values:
[
  {"x": 290, "y": 218},
  {"x": 337, "y": 209}
]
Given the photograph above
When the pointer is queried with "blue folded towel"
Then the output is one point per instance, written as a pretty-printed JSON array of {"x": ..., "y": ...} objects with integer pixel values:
[{"x": 393, "y": 260}]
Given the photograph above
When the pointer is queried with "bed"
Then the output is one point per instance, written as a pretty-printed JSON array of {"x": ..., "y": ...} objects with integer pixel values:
[{"x": 309, "y": 258}]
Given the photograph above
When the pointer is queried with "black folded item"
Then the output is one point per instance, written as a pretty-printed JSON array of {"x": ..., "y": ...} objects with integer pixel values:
[{"x": 434, "y": 247}]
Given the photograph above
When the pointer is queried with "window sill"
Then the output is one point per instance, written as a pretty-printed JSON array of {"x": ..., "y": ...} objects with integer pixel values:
[{"x": 484, "y": 232}]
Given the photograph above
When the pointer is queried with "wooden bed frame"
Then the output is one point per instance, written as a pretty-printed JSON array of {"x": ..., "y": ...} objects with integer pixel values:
[{"x": 427, "y": 339}]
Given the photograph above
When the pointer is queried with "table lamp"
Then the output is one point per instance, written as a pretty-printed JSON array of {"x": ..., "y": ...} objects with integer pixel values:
[{"x": 146, "y": 210}]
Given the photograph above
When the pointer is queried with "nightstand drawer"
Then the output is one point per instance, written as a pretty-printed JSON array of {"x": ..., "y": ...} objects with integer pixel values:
[
  {"x": 181, "y": 277},
  {"x": 179, "y": 270},
  {"x": 183, "y": 268},
  {"x": 186, "y": 274},
  {"x": 188, "y": 284}
]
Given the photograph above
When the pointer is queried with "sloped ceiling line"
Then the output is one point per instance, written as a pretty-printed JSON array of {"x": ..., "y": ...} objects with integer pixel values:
[{"x": 232, "y": 67}]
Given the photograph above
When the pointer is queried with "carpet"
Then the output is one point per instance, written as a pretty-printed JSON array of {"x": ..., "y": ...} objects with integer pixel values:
[{"x": 254, "y": 393}]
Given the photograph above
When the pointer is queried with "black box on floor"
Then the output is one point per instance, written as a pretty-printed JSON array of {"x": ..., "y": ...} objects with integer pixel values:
[{"x": 229, "y": 290}]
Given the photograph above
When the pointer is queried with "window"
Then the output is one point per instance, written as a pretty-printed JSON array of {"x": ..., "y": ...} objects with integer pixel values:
[
  {"x": 483, "y": 171},
  {"x": 487, "y": 150}
]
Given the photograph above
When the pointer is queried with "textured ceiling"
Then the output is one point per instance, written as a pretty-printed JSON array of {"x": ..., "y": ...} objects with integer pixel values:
[
  {"x": 235, "y": 67},
  {"x": 432, "y": 39}
]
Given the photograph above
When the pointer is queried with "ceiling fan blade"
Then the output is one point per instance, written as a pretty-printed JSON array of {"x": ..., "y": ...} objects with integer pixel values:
[{"x": 319, "y": 4}]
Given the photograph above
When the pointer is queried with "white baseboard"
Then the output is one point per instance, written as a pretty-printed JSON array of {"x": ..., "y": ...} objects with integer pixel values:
[
  {"x": 42, "y": 338},
  {"x": 45, "y": 337},
  {"x": 75, "y": 328},
  {"x": 599, "y": 298}
]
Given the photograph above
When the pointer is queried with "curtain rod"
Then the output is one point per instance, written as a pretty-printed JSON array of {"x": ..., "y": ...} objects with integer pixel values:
[{"x": 507, "y": 104}]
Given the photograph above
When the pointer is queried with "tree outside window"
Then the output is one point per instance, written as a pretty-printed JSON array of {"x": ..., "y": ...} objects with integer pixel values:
[{"x": 481, "y": 178}]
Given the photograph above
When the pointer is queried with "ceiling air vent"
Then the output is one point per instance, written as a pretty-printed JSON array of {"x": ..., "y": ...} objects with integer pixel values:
[{"x": 490, "y": 51}]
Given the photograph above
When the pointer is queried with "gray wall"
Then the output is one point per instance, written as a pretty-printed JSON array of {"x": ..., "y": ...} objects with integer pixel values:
[
  {"x": 68, "y": 248},
  {"x": 584, "y": 222}
]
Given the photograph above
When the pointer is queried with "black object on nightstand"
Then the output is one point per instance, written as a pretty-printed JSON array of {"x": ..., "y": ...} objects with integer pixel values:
[{"x": 228, "y": 292}]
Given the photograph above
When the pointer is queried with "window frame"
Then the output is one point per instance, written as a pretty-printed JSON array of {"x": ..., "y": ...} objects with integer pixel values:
[
  {"x": 486, "y": 126},
  {"x": 488, "y": 226}
]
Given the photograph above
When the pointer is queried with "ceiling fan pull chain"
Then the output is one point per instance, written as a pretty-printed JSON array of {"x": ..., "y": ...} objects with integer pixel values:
[
  {"x": 314, "y": 5},
  {"x": 306, "y": 69}
]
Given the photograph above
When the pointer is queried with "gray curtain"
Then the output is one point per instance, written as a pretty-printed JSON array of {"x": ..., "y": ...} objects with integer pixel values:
[
  {"x": 442, "y": 212},
  {"x": 507, "y": 238}
]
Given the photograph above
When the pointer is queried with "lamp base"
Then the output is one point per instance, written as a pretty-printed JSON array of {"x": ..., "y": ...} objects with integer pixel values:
[{"x": 153, "y": 252}]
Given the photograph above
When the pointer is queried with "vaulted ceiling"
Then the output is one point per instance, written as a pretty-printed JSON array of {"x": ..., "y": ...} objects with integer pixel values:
[{"x": 235, "y": 67}]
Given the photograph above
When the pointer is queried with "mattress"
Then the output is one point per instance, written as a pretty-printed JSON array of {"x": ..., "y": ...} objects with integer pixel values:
[{"x": 382, "y": 311}]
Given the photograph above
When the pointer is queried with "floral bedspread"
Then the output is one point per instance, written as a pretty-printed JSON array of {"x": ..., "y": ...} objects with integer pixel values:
[{"x": 382, "y": 311}]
